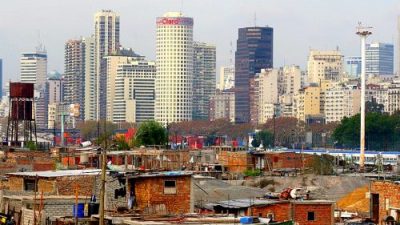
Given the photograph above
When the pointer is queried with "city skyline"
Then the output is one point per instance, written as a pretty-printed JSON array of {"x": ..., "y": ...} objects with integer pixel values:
[{"x": 138, "y": 30}]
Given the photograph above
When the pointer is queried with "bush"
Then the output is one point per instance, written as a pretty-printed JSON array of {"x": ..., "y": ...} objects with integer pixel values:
[
  {"x": 252, "y": 173},
  {"x": 31, "y": 145}
]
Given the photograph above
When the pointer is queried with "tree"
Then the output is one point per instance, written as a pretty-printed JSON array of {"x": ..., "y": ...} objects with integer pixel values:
[
  {"x": 96, "y": 130},
  {"x": 150, "y": 133},
  {"x": 265, "y": 137},
  {"x": 287, "y": 130},
  {"x": 381, "y": 131}
]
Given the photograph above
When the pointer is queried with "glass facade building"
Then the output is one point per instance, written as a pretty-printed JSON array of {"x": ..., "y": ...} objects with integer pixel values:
[
  {"x": 379, "y": 59},
  {"x": 254, "y": 52},
  {"x": 352, "y": 66}
]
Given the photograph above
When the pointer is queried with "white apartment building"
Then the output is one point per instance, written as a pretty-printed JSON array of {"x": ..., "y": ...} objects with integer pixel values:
[
  {"x": 267, "y": 93},
  {"x": 107, "y": 42},
  {"x": 111, "y": 70},
  {"x": 324, "y": 65},
  {"x": 90, "y": 99},
  {"x": 174, "y": 57},
  {"x": 226, "y": 78},
  {"x": 222, "y": 105},
  {"x": 33, "y": 67},
  {"x": 340, "y": 102},
  {"x": 134, "y": 91}
]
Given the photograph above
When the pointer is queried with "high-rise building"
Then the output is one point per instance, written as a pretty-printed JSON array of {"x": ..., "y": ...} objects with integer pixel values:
[
  {"x": 107, "y": 25},
  {"x": 74, "y": 74},
  {"x": 1, "y": 78},
  {"x": 134, "y": 91},
  {"x": 111, "y": 70},
  {"x": 34, "y": 67},
  {"x": 226, "y": 78},
  {"x": 308, "y": 102},
  {"x": 379, "y": 58},
  {"x": 254, "y": 52},
  {"x": 222, "y": 105},
  {"x": 204, "y": 78},
  {"x": 352, "y": 66},
  {"x": 53, "y": 97},
  {"x": 324, "y": 65},
  {"x": 340, "y": 102},
  {"x": 90, "y": 89},
  {"x": 268, "y": 93},
  {"x": 174, "y": 80}
]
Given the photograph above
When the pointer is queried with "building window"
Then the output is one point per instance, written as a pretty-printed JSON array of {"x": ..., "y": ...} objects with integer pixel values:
[
  {"x": 310, "y": 216},
  {"x": 170, "y": 187},
  {"x": 29, "y": 185}
]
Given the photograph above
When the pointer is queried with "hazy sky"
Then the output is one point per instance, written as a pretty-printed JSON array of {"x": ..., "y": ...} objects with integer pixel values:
[{"x": 298, "y": 25}]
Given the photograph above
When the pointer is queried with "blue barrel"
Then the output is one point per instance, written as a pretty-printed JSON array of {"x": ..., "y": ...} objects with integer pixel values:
[{"x": 81, "y": 210}]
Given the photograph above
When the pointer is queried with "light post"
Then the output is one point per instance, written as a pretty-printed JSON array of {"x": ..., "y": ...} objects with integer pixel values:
[{"x": 363, "y": 32}]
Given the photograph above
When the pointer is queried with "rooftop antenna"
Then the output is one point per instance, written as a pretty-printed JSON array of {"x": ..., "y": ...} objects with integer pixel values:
[
  {"x": 231, "y": 54},
  {"x": 255, "y": 19},
  {"x": 363, "y": 32}
]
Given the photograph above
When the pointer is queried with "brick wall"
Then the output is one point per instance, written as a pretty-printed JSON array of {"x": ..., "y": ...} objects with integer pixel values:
[
  {"x": 323, "y": 213},
  {"x": 389, "y": 196},
  {"x": 150, "y": 192},
  {"x": 280, "y": 211},
  {"x": 15, "y": 183},
  {"x": 235, "y": 162},
  {"x": 289, "y": 160}
]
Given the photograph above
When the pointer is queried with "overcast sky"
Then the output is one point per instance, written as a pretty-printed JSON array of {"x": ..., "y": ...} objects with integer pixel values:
[{"x": 298, "y": 25}]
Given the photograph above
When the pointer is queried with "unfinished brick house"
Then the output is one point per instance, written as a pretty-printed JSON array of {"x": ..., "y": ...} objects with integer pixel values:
[
  {"x": 162, "y": 193},
  {"x": 302, "y": 212},
  {"x": 152, "y": 193},
  {"x": 385, "y": 202}
]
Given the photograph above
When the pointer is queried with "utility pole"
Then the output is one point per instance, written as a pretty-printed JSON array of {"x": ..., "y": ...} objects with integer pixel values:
[
  {"x": 363, "y": 32},
  {"x": 103, "y": 175}
]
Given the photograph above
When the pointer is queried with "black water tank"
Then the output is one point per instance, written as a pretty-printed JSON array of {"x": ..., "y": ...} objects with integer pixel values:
[{"x": 93, "y": 208}]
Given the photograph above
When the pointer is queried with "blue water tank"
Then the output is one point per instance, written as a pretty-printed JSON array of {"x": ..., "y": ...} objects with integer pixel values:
[
  {"x": 80, "y": 208},
  {"x": 246, "y": 220}
]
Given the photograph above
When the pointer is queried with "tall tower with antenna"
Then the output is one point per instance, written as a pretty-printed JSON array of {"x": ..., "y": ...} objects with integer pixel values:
[{"x": 363, "y": 32}]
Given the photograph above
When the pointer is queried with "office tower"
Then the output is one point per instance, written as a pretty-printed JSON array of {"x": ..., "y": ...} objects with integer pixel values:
[
  {"x": 324, "y": 65},
  {"x": 90, "y": 100},
  {"x": 254, "y": 52},
  {"x": 204, "y": 78},
  {"x": 1, "y": 78},
  {"x": 379, "y": 59},
  {"x": 74, "y": 74},
  {"x": 226, "y": 78},
  {"x": 111, "y": 70},
  {"x": 34, "y": 67},
  {"x": 352, "y": 66},
  {"x": 290, "y": 81},
  {"x": 107, "y": 25},
  {"x": 134, "y": 91},
  {"x": 174, "y": 80},
  {"x": 398, "y": 45}
]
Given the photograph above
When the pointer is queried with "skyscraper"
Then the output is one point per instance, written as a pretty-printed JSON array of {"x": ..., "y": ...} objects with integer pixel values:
[
  {"x": 204, "y": 77},
  {"x": 112, "y": 66},
  {"x": 226, "y": 78},
  {"x": 34, "y": 67},
  {"x": 90, "y": 101},
  {"x": 1, "y": 78},
  {"x": 134, "y": 91},
  {"x": 174, "y": 60},
  {"x": 254, "y": 52},
  {"x": 324, "y": 65},
  {"x": 353, "y": 66},
  {"x": 106, "y": 36},
  {"x": 74, "y": 73},
  {"x": 379, "y": 58}
]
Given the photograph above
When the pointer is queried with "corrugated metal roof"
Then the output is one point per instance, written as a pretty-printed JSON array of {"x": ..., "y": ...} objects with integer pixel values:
[
  {"x": 244, "y": 203},
  {"x": 58, "y": 173}
]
